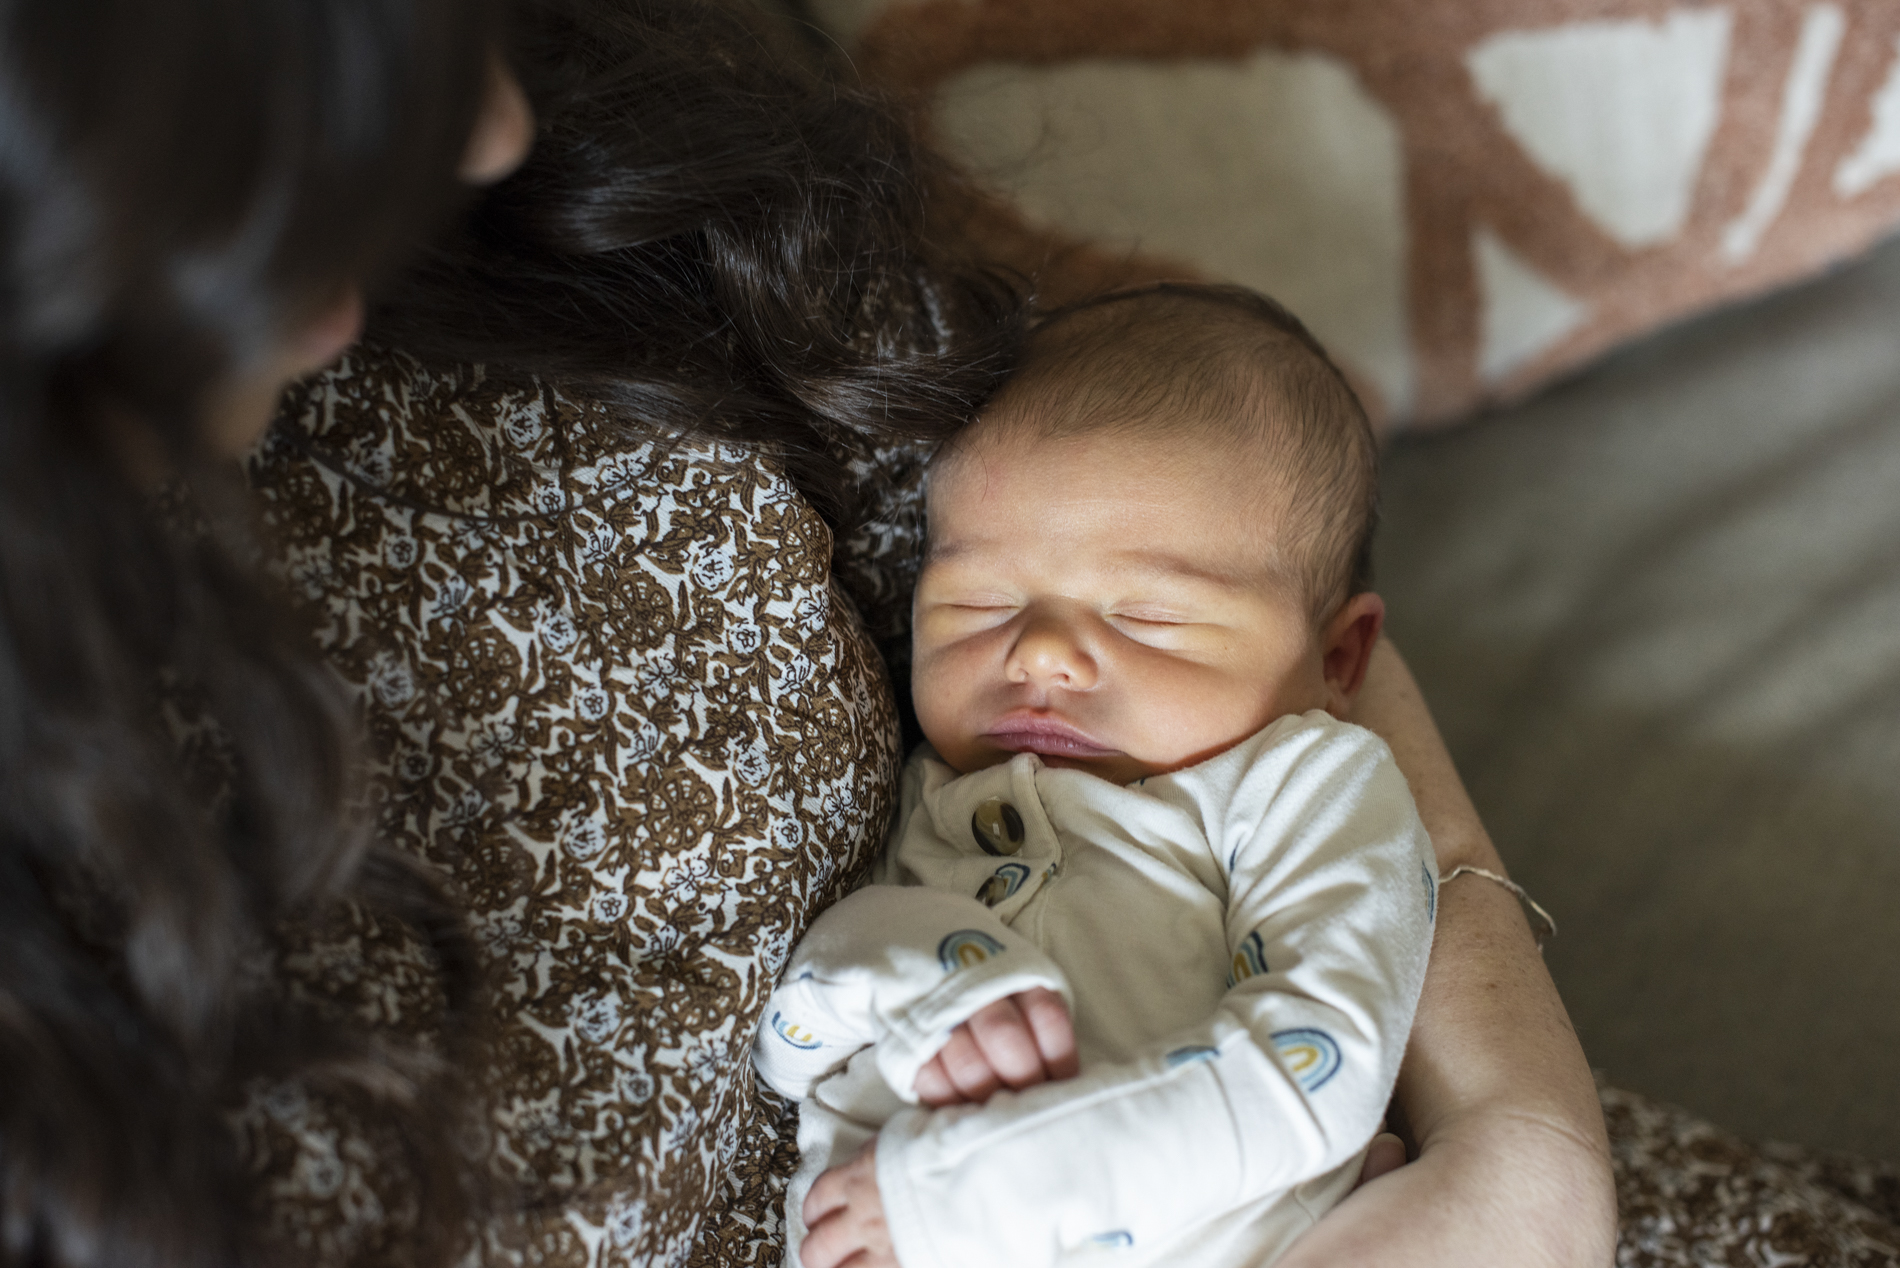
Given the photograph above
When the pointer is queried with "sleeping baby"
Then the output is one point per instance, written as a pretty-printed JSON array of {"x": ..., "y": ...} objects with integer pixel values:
[{"x": 1141, "y": 956}]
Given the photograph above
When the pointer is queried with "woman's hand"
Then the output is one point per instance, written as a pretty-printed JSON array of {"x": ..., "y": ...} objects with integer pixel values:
[{"x": 1513, "y": 1165}]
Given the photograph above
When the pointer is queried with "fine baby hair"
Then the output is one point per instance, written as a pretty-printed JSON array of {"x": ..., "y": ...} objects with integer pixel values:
[{"x": 1234, "y": 367}]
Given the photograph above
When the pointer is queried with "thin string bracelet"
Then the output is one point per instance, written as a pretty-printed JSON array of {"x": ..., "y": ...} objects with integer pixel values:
[{"x": 1543, "y": 928}]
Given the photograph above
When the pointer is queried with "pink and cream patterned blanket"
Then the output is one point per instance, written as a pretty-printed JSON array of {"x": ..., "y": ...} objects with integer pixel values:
[{"x": 1463, "y": 199}]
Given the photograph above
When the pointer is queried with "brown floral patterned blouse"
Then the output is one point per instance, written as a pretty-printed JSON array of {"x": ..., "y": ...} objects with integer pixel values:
[
  {"x": 627, "y": 695},
  {"x": 615, "y": 690}
]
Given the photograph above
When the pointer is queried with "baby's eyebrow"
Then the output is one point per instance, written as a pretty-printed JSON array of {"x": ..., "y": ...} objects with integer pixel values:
[
  {"x": 937, "y": 551},
  {"x": 1164, "y": 563}
]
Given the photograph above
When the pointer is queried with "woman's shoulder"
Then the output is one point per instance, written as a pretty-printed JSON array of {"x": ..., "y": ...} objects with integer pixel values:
[
  {"x": 632, "y": 724},
  {"x": 451, "y": 438},
  {"x": 461, "y": 441},
  {"x": 428, "y": 512}
]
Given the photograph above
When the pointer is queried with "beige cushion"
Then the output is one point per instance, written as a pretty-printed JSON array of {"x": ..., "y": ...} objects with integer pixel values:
[{"x": 1463, "y": 200}]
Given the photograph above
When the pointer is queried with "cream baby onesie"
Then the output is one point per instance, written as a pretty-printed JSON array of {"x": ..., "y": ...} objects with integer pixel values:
[{"x": 1241, "y": 943}]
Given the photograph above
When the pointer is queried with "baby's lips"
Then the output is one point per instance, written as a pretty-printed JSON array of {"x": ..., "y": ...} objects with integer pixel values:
[{"x": 1047, "y": 737}]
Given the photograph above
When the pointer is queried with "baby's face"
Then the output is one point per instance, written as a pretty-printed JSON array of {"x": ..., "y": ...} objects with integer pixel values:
[{"x": 1104, "y": 602}]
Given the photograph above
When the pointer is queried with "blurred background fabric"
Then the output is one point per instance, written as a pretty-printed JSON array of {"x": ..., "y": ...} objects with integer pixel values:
[{"x": 1462, "y": 199}]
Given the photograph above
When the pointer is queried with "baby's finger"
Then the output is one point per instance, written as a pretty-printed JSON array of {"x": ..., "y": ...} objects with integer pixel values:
[
  {"x": 1048, "y": 1019},
  {"x": 968, "y": 1069},
  {"x": 829, "y": 1242},
  {"x": 1008, "y": 1044},
  {"x": 827, "y": 1197},
  {"x": 933, "y": 1085},
  {"x": 845, "y": 1215}
]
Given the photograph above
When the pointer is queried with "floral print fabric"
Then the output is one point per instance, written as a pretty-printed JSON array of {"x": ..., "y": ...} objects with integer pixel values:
[{"x": 614, "y": 693}]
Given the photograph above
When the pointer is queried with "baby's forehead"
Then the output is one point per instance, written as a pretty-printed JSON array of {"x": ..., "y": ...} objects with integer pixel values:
[
  {"x": 1180, "y": 482},
  {"x": 1173, "y": 442}
]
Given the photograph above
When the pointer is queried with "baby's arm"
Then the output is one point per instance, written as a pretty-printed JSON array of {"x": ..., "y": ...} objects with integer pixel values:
[
  {"x": 1333, "y": 896},
  {"x": 903, "y": 969},
  {"x": 1329, "y": 918},
  {"x": 1016, "y": 1043}
]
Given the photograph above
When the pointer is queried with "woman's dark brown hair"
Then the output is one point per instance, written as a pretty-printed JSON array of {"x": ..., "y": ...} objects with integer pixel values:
[
  {"x": 714, "y": 237},
  {"x": 181, "y": 183}
]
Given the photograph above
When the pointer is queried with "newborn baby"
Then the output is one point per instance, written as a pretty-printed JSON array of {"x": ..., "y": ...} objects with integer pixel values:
[{"x": 1139, "y": 833}]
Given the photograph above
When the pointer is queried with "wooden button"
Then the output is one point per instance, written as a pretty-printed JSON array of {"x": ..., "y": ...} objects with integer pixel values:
[
  {"x": 997, "y": 827},
  {"x": 1008, "y": 879}
]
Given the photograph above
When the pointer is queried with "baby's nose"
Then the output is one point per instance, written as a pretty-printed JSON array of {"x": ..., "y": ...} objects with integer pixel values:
[{"x": 1052, "y": 650}]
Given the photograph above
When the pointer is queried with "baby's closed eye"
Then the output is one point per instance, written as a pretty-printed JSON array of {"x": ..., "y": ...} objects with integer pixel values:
[
  {"x": 1141, "y": 614},
  {"x": 973, "y": 603},
  {"x": 1163, "y": 628}
]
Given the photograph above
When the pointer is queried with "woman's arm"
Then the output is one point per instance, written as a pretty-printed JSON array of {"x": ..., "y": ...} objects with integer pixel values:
[{"x": 1513, "y": 1164}]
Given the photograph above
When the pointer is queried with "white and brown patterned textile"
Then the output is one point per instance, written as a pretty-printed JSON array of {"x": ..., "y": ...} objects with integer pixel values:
[
  {"x": 614, "y": 693},
  {"x": 1462, "y": 199},
  {"x": 1692, "y": 1196}
]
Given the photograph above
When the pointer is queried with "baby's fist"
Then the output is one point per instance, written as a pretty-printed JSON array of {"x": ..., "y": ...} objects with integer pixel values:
[{"x": 1016, "y": 1043}]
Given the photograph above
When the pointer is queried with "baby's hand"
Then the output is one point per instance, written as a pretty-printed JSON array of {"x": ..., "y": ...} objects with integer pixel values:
[
  {"x": 1016, "y": 1042},
  {"x": 845, "y": 1215}
]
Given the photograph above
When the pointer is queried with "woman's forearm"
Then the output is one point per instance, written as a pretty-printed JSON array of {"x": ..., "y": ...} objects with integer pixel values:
[{"x": 1494, "y": 1086}]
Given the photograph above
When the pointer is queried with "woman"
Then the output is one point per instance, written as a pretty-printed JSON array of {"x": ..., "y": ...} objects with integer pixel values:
[
  {"x": 606, "y": 551},
  {"x": 190, "y": 193}
]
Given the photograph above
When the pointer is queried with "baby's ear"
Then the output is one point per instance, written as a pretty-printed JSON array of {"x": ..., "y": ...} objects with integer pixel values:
[{"x": 1346, "y": 648}]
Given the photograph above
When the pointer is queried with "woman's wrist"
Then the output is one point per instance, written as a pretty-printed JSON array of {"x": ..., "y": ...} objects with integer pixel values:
[
  {"x": 1492, "y": 1035},
  {"x": 1499, "y": 1100}
]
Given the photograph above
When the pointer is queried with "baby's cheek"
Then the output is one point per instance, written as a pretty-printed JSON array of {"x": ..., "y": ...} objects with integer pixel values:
[
  {"x": 940, "y": 705},
  {"x": 1210, "y": 713}
]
